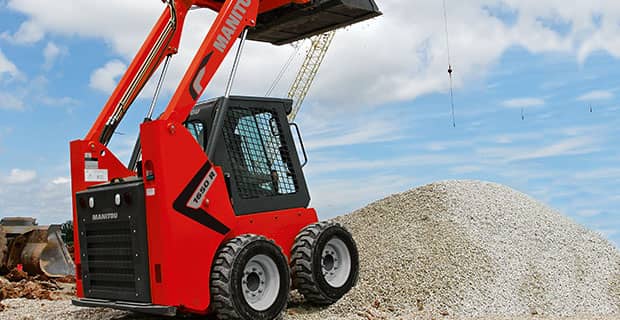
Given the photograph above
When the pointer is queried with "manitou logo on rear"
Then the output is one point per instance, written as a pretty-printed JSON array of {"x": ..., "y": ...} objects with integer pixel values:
[
  {"x": 105, "y": 216},
  {"x": 232, "y": 23},
  {"x": 199, "y": 195}
]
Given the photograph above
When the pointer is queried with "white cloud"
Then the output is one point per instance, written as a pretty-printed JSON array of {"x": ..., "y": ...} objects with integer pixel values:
[
  {"x": 61, "y": 180},
  {"x": 19, "y": 176},
  {"x": 9, "y": 101},
  {"x": 524, "y": 103},
  {"x": 571, "y": 146},
  {"x": 106, "y": 77},
  {"x": 589, "y": 213},
  {"x": 48, "y": 200},
  {"x": 597, "y": 95},
  {"x": 29, "y": 32},
  {"x": 333, "y": 197},
  {"x": 509, "y": 138},
  {"x": 342, "y": 135},
  {"x": 6, "y": 66},
  {"x": 51, "y": 53},
  {"x": 598, "y": 174},
  {"x": 466, "y": 169},
  {"x": 58, "y": 102},
  {"x": 565, "y": 147},
  {"x": 364, "y": 66},
  {"x": 338, "y": 163}
]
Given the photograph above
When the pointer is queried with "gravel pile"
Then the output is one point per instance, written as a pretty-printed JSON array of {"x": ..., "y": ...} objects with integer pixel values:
[
  {"x": 27, "y": 309},
  {"x": 470, "y": 249},
  {"x": 450, "y": 250}
]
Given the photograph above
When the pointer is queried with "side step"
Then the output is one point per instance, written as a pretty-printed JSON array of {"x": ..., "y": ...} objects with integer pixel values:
[
  {"x": 295, "y": 22},
  {"x": 126, "y": 306}
]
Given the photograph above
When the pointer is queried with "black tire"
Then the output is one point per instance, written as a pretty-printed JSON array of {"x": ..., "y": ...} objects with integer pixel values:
[
  {"x": 307, "y": 263},
  {"x": 228, "y": 279}
]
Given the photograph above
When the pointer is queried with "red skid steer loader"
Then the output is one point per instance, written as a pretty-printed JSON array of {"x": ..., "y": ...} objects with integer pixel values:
[{"x": 210, "y": 216}]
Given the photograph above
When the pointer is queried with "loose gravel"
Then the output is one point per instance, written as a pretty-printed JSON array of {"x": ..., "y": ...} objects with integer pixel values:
[
  {"x": 450, "y": 250},
  {"x": 26, "y": 309},
  {"x": 472, "y": 249}
]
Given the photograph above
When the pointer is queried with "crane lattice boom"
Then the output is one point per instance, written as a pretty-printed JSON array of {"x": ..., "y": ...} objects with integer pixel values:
[{"x": 318, "y": 48}]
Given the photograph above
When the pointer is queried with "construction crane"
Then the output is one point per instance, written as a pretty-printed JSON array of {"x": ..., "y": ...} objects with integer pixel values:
[
  {"x": 307, "y": 73},
  {"x": 213, "y": 216}
]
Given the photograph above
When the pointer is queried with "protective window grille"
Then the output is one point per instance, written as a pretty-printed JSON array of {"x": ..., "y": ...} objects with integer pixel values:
[
  {"x": 259, "y": 155},
  {"x": 196, "y": 128}
]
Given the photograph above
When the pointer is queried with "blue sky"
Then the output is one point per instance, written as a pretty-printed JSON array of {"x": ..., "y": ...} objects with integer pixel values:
[{"x": 377, "y": 120}]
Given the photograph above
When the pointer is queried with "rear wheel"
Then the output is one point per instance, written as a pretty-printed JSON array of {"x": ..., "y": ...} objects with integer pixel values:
[
  {"x": 250, "y": 280},
  {"x": 325, "y": 262}
]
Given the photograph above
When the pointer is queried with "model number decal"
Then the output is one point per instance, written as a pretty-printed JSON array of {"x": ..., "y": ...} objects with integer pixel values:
[
  {"x": 189, "y": 202},
  {"x": 195, "y": 201}
]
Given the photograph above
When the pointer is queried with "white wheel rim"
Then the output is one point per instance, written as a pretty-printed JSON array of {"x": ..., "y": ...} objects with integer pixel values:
[
  {"x": 260, "y": 282},
  {"x": 336, "y": 263}
]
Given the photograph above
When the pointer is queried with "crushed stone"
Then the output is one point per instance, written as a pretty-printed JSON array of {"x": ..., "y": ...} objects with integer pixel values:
[{"x": 473, "y": 249}]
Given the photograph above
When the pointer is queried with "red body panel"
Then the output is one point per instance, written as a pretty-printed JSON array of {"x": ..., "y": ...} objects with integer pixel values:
[
  {"x": 280, "y": 226},
  {"x": 182, "y": 247}
]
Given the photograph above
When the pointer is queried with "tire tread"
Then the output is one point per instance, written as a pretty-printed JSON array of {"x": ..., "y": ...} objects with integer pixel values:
[
  {"x": 221, "y": 295},
  {"x": 301, "y": 263}
]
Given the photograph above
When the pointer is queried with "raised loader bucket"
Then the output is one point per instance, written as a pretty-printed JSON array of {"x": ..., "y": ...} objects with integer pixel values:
[
  {"x": 39, "y": 249},
  {"x": 294, "y": 22}
]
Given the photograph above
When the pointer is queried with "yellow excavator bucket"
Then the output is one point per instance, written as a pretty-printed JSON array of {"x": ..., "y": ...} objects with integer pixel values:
[{"x": 39, "y": 249}]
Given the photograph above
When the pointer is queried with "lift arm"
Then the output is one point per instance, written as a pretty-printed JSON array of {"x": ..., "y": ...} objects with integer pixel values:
[
  {"x": 163, "y": 40},
  {"x": 275, "y": 21},
  {"x": 233, "y": 17}
]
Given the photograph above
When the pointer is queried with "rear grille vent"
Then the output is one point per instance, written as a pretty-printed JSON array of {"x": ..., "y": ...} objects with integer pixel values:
[{"x": 110, "y": 257}]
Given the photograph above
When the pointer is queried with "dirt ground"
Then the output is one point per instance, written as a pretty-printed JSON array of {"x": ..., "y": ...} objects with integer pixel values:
[{"x": 28, "y": 309}]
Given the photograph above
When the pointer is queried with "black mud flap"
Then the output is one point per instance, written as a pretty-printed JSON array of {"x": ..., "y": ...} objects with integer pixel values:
[
  {"x": 295, "y": 22},
  {"x": 146, "y": 308}
]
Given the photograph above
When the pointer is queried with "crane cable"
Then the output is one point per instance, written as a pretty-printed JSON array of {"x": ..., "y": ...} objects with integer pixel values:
[
  {"x": 445, "y": 18},
  {"x": 285, "y": 67}
]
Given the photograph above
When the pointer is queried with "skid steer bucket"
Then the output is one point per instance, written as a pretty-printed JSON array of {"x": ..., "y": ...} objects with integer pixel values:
[
  {"x": 295, "y": 22},
  {"x": 39, "y": 249}
]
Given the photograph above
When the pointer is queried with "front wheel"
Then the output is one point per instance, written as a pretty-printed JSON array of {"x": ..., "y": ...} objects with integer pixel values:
[
  {"x": 324, "y": 262},
  {"x": 250, "y": 280}
]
